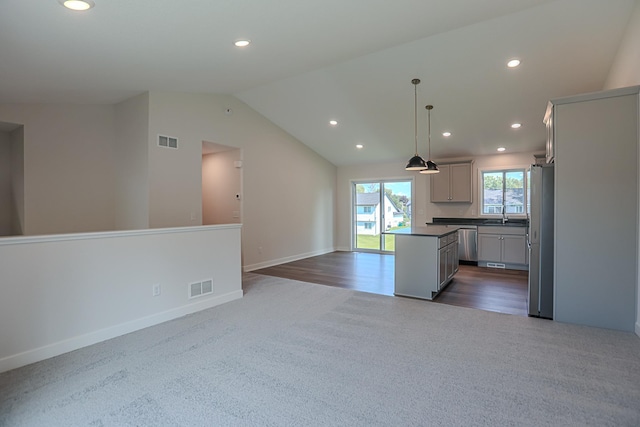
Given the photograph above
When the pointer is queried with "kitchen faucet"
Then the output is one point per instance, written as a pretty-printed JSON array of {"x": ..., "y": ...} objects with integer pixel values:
[{"x": 504, "y": 214}]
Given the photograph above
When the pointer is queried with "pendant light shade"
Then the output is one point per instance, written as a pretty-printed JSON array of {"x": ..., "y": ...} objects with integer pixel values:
[
  {"x": 416, "y": 163},
  {"x": 431, "y": 166}
]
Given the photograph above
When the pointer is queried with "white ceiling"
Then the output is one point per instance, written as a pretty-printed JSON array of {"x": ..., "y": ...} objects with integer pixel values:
[{"x": 312, "y": 61}]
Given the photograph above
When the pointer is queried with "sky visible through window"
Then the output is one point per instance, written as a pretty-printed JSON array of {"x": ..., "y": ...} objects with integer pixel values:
[{"x": 400, "y": 188}]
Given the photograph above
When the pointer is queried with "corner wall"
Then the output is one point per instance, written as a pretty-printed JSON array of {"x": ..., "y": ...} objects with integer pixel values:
[
  {"x": 17, "y": 181},
  {"x": 288, "y": 189},
  {"x": 131, "y": 194},
  {"x": 68, "y": 166}
]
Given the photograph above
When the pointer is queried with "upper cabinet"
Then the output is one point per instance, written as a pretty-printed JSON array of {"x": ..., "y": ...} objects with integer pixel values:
[{"x": 452, "y": 184}]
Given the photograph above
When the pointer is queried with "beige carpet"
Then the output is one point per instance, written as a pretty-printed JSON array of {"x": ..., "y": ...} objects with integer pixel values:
[{"x": 292, "y": 353}]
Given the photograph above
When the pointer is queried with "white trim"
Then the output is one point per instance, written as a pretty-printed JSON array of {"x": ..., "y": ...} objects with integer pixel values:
[
  {"x": 638, "y": 328},
  {"x": 252, "y": 267},
  {"x": 65, "y": 346},
  {"x": 19, "y": 240}
]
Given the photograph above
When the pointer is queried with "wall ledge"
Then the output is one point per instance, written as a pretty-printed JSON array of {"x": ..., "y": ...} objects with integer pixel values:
[{"x": 20, "y": 240}]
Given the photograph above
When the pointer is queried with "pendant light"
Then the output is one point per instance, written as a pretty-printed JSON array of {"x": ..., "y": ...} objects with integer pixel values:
[
  {"x": 416, "y": 163},
  {"x": 431, "y": 166}
]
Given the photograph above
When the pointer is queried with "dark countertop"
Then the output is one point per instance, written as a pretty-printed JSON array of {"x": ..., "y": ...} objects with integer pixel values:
[
  {"x": 511, "y": 222},
  {"x": 430, "y": 230}
]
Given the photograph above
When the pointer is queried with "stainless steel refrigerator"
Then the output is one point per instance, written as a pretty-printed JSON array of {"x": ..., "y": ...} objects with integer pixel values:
[{"x": 541, "y": 242}]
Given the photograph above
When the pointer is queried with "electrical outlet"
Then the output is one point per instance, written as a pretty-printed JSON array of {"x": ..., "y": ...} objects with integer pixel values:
[
  {"x": 155, "y": 291},
  {"x": 259, "y": 249}
]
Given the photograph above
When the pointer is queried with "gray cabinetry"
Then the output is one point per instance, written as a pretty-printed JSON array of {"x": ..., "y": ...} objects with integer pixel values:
[
  {"x": 424, "y": 264},
  {"x": 448, "y": 259},
  {"x": 452, "y": 184},
  {"x": 595, "y": 140},
  {"x": 502, "y": 246}
]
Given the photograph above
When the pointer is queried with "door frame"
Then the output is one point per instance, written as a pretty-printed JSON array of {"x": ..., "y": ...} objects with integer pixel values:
[{"x": 353, "y": 210}]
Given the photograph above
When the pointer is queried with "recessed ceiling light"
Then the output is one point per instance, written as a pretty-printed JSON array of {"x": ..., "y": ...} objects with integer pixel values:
[
  {"x": 501, "y": 149},
  {"x": 333, "y": 122},
  {"x": 242, "y": 43},
  {"x": 77, "y": 4},
  {"x": 516, "y": 125},
  {"x": 446, "y": 133},
  {"x": 513, "y": 63},
  {"x": 359, "y": 146}
]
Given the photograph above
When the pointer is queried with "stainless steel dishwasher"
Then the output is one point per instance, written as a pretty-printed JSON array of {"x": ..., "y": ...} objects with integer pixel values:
[{"x": 468, "y": 243}]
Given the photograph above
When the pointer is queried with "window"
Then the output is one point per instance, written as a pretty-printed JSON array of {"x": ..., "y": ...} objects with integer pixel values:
[
  {"x": 504, "y": 191},
  {"x": 378, "y": 208}
]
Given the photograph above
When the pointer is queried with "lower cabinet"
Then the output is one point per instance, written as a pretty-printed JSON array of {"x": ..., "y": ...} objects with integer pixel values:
[
  {"x": 503, "y": 246},
  {"x": 448, "y": 263},
  {"x": 424, "y": 265}
]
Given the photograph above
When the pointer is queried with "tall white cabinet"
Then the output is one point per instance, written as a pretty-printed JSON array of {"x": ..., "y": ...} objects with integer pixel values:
[{"x": 595, "y": 147}]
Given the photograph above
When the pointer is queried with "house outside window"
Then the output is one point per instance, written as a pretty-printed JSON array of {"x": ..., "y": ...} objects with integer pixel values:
[{"x": 504, "y": 191}]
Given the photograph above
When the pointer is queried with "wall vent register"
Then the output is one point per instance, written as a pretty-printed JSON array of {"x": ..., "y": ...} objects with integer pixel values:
[
  {"x": 199, "y": 289},
  {"x": 167, "y": 141}
]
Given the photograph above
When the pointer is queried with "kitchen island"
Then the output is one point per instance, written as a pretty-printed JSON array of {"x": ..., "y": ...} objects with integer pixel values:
[{"x": 425, "y": 261}]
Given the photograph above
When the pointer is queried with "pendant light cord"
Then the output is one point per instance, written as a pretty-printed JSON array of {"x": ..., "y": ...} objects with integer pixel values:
[
  {"x": 429, "y": 108},
  {"x": 415, "y": 112},
  {"x": 429, "y": 123}
]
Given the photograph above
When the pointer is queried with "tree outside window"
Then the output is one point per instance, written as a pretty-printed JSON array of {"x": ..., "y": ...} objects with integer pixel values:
[{"x": 503, "y": 191}]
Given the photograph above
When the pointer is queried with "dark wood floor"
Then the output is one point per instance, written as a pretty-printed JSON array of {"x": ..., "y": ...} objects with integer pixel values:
[{"x": 503, "y": 291}]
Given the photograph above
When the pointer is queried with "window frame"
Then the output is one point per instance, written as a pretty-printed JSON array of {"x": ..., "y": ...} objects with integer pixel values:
[{"x": 504, "y": 169}]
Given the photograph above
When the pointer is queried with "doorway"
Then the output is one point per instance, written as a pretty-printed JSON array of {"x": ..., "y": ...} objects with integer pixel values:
[
  {"x": 380, "y": 207},
  {"x": 221, "y": 184}
]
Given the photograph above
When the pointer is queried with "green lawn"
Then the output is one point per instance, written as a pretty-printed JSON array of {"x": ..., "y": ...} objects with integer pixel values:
[{"x": 365, "y": 241}]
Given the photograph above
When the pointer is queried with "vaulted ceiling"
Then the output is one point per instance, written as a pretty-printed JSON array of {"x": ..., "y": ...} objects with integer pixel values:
[{"x": 310, "y": 62}]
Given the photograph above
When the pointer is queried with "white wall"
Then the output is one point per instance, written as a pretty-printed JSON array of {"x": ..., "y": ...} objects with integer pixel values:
[
  {"x": 625, "y": 70},
  {"x": 73, "y": 154},
  {"x": 422, "y": 209},
  {"x": 221, "y": 182},
  {"x": 68, "y": 166},
  {"x": 17, "y": 181},
  {"x": 60, "y": 293},
  {"x": 288, "y": 189},
  {"x": 131, "y": 191},
  {"x": 5, "y": 184}
]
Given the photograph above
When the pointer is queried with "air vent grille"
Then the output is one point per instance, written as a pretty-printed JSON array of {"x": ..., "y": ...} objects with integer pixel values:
[
  {"x": 199, "y": 289},
  {"x": 167, "y": 141}
]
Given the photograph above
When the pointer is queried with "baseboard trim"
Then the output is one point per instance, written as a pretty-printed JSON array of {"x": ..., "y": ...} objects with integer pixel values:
[
  {"x": 75, "y": 343},
  {"x": 252, "y": 267}
]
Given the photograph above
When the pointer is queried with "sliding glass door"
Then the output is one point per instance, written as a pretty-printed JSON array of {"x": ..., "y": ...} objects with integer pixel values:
[{"x": 380, "y": 207}]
